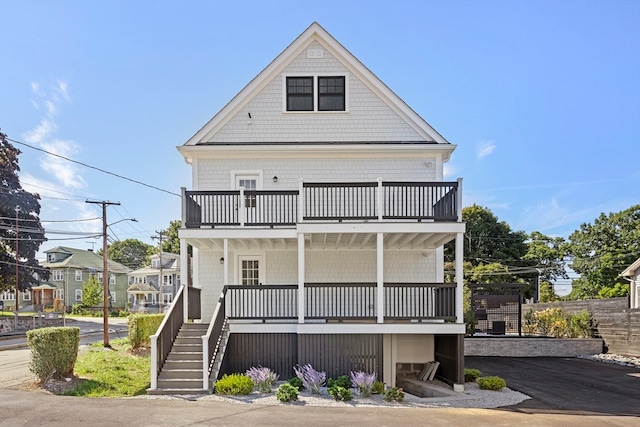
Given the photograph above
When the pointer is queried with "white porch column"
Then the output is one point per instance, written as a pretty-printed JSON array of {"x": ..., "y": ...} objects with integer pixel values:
[
  {"x": 459, "y": 277},
  {"x": 184, "y": 278},
  {"x": 380, "y": 201},
  {"x": 242, "y": 210},
  {"x": 225, "y": 268},
  {"x": 300, "y": 200},
  {"x": 301, "y": 278},
  {"x": 380, "y": 284}
]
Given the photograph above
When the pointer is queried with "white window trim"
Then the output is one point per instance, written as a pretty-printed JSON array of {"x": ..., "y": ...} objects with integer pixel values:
[
  {"x": 78, "y": 273},
  {"x": 78, "y": 294},
  {"x": 244, "y": 174},
  {"x": 112, "y": 279},
  {"x": 315, "y": 92},
  {"x": 112, "y": 296},
  {"x": 26, "y": 295},
  {"x": 167, "y": 298},
  {"x": 262, "y": 271},
  {"x": 57, "y": 275}
]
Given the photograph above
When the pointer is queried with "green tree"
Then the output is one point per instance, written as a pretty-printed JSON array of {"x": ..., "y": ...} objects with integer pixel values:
[
  {"x": 26, "y": 232},
  {"x": 171, "y": 243},
  {"x": 547, "y": 293},
  {"x": 130, "y": 252},
  {"x": 601, "y": 251},
  {"x": 488, "y": 240},
  {"x": 548, "y": 254},
  {"x": 92, "y": 292}
]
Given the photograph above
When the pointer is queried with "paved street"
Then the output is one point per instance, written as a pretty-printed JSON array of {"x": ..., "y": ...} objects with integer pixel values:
[{"x": 15, "y": 353}]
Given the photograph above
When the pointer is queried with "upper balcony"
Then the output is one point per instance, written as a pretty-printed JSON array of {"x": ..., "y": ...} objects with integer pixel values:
[{"x": 324, "y": 202}]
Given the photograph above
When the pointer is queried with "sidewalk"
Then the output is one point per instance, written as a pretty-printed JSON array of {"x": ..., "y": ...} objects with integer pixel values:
[{"x": 88, "y": 326}]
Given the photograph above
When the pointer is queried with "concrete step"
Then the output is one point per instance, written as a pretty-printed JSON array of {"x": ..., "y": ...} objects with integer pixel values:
[{"x": 170, "y": 391}]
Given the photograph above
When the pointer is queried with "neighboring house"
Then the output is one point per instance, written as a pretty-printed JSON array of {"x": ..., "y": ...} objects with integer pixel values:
[
  {"x": 317, "y": 219},
  {"x": 8, "y": 299},
  {"x": 143, "y": 283},
  {"x": 632, "y": 274},
  {"x": 70, "y": 268}
]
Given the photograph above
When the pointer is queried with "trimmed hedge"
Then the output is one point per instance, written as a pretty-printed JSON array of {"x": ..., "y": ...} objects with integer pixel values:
[
  {"x": 53, "y": 351},
  {"x": 141, "y": 327}
]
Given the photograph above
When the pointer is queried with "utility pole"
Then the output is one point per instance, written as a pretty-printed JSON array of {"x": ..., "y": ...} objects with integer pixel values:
[
  {"x": 17, "y": 263},
  {"x": 159, "y": 236},
  {"x": 105, "y": 271}
]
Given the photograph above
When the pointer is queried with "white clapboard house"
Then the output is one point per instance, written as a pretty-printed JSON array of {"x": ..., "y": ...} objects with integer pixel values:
[{"x": 317, "y": 216}]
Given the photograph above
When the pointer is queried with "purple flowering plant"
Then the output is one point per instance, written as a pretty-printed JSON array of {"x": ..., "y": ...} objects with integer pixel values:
[
  {"x": 263, "y": 378},
  {"x": 311, "y": 379},
  {"x": 363, "y": 382}
]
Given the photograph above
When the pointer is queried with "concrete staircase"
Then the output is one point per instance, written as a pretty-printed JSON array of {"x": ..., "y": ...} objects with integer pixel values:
[{"x": 182, "y": 371}]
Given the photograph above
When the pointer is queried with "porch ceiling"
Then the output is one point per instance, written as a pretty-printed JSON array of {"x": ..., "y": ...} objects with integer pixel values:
[{"x": 328, "y": 241}]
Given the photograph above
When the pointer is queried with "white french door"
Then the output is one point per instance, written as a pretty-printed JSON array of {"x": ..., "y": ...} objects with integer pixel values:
[{"x": 250, "y": 270}]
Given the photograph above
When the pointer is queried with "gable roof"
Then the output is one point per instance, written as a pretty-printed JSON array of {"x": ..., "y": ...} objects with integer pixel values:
[
  {"x": 84, "y": 259},
  {"x": 631, "y": 270},
  {"x": 316, "y": 33}
]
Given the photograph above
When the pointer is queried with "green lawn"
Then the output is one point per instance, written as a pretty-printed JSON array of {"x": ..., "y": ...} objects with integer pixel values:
[{"x": 114, "y": 372}]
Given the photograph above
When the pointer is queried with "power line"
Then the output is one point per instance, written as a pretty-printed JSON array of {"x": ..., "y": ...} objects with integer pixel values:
[{"x": 94, "y": 167}]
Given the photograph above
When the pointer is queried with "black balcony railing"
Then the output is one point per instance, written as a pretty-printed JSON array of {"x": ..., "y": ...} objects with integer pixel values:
[
  {"x": 343, "y": 301},
  {"x": 419, "y": 201}
]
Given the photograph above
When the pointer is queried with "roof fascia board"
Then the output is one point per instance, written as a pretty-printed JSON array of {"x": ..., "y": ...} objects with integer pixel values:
[{"x": 303, "y": 150}]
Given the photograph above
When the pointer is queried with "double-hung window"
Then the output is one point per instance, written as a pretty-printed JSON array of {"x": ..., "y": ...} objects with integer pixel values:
[
  {"x": 58, "y": 275},
  {"x": 316, "y": 93}
]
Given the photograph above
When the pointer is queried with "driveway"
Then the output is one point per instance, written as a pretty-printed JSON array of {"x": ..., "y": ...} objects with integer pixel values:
[{"x": 566, "y": 385}]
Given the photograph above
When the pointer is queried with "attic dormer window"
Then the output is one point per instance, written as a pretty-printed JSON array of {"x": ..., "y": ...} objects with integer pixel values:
[{"x": 316, "y": 93}]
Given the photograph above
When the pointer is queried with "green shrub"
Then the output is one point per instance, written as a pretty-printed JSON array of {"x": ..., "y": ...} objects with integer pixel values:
[
  {"x": 377, "y": 387},
  {"x": 340, "y": 393},
  {"x": 77, "y": 309},
  {"x": 296, "y": 382},
  {"x": 554, "y": 322},
  {"x": 491, "y": 383},
  {"x": 287, "y": 393},
  {"x": 141, "y": 327},
  {"x": 342, "y": 381},
  {"x": 394, "y": 394},
  {"x": 53, "y": 351},
  {"x": 470, "y": 375},
  {"x": 234, "y": 384}
]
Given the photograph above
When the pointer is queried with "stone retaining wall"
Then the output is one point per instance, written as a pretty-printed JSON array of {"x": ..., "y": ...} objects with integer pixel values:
[
  {"x": 7, "y": 324},
  {"x": 614, "y": 321},
  {"x": 531, "y": 347}
]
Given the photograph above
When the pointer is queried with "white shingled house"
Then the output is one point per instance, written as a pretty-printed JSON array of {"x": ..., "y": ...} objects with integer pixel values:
[{"x": 317, "y": 216}]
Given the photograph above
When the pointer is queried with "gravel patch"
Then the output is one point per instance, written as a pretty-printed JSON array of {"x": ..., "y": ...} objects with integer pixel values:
[
  {"x": 617, "y": 359},
  {"x": 472, "y": 397}
]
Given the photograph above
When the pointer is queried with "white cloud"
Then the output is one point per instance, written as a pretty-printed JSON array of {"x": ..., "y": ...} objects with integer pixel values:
[
  {"x": 65, "y": 173},
  {"x": 485, "y": 148}
]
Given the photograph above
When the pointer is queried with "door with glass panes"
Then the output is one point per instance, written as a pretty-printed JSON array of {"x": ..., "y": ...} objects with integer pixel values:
[{"x": 251, "y": 274}]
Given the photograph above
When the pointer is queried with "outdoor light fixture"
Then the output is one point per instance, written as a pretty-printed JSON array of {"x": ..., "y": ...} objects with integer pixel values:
[
  {"x": 222, "y": 260},
  {"x": 275, "y": 179}
]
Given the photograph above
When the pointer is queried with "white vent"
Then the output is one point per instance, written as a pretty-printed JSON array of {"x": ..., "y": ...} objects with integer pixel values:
[{"x": 315, "y": 53}]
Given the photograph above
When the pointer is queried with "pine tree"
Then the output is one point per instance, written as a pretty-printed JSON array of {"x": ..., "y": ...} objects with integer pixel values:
[{"x": 19, "y": 225}]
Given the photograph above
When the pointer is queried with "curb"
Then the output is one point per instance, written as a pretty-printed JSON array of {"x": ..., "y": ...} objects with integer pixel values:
[{"x": 85, "y": 334}]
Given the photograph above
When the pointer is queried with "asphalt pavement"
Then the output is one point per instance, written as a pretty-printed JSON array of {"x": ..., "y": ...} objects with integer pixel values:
[{"x": 567, "y": 385}]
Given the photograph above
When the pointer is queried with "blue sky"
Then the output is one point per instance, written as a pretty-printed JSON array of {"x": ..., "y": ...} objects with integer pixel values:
[{"x": 541, "y": 97}]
